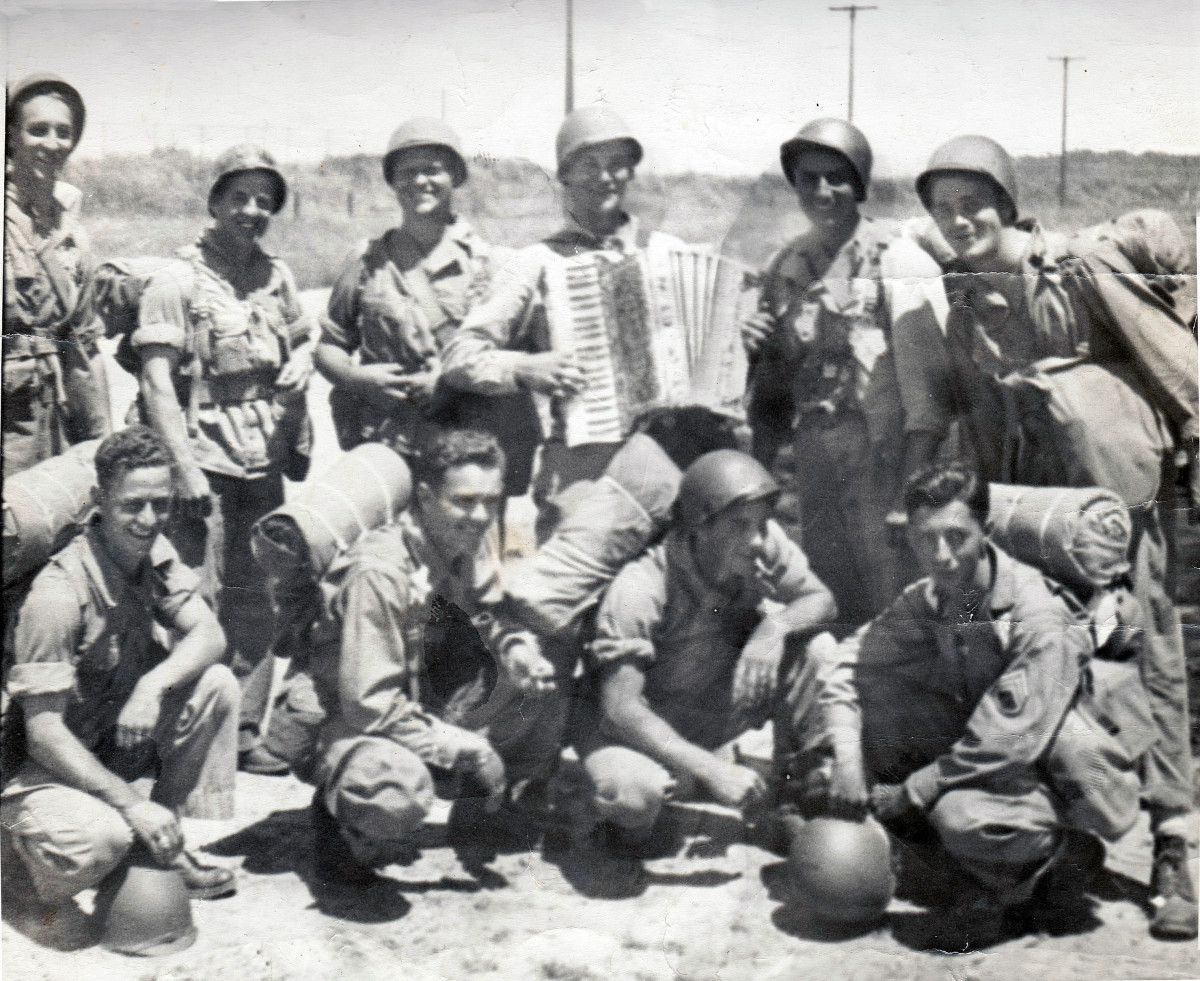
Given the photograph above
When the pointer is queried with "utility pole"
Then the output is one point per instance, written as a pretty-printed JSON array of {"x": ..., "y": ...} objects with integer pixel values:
[
  {"x": 570, "y": 93},
  {"x": 1062, "y": 161},
  {"x": 852, "y": 10}
]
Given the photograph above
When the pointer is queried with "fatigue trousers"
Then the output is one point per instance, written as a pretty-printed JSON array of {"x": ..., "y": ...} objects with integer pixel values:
[
  {"x": 846, "y": 487},
  {"x": 629, "y": 788},
  {"x": 218, "y": 547},
  {"x": 70, "y": 840}
]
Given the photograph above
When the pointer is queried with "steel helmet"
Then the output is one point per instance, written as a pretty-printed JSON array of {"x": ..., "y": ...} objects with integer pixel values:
[
  {"x": 841, "y": 870},
  {"x": 973, "y": 155},
  {"x": 718, "y": 480},
  {"x": 836, "y": 135},
  {"x": 591, "y": 126},
  {"x": 39, "y": 84},
  {"x": 425, "y": 132},
  {"x": 145, "y": 910},
  {"x": 237, "y": 160}
]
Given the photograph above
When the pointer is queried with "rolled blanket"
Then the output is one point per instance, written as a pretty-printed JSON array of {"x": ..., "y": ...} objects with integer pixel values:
[
  {"x": 365, "y": 489},
  {"x": 629, "y": 507},
  {"x": 44, "y": 507},
  {"x": 1079, "y": 536}
]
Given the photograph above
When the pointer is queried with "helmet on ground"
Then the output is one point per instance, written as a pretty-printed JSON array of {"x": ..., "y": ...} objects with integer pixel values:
[
  {"x": 973, "y": 155},
  {"x": 40, "y": 84},
  {"x": 588, "y": 127},
  {"x": 836, "y": 135},
  {"x": 425, "y": 132},
  {"x": 238, "y": 160},
  {"x": 841, "y": 870},
  {"x": 145, "y": 910},
  {"x": 718, "y": 480},
  {"x": 378, "y": 793}
]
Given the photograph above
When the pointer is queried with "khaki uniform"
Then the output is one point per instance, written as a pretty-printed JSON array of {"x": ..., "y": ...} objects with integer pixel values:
[
  {"x": 234, "y": 330},
  {"x": 829, "y": 366},
  {"x": 87, "y": 630},
  {"x": 966, "y": 708},
  {"x": 661, "y": 615},
  {"x": 393, "y": 305},
  {"x": 51, "y": 397},
  {"x": 394, "y": 657}
]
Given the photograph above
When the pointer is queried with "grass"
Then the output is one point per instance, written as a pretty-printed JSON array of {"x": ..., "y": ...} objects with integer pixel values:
[{"x": 152, "y": 204}]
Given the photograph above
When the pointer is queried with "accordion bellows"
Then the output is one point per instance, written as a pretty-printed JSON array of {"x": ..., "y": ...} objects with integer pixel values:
[{"x": 656, "y": 329}]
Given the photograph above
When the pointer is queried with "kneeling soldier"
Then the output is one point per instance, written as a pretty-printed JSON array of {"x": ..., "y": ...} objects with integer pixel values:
[
  {"x": 105, "y": 702},
  {"x": 690, "y": 648},
  {"x": 397, "y": 694}
]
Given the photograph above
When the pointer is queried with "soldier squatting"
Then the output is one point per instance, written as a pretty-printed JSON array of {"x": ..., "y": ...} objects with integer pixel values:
[{"x": 998, "y": 724}]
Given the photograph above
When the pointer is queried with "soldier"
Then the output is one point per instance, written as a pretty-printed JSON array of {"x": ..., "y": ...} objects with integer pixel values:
[
  {"x": 946, "y": 712},
  {"x": 696, "y": 643},
  {"x": 396, "y": 692},
  {"x": 398, "y": 301},
  {"x": 55, "y": 388},
  {"x": 104, "y": 704},
  {"x": 1018, "y": 295},
  {"x": 822, "y": 340},
  {"x": 504, "y": 343},
  {"x": 226, "y": 355}
]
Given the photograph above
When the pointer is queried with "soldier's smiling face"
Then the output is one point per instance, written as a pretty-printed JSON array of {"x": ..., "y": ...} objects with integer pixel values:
[
  {"x": 968, "y": 211},
  {"x": 596, "y": 179},
  {"x": 133, "y": 511},
  {"x": 42, "y": 138},
  {"x": 826, "y": 188},
  {"x": 458, "y": 513},
  {"x": 423, "y": 181},
  {"x": 243, "y": 207}
]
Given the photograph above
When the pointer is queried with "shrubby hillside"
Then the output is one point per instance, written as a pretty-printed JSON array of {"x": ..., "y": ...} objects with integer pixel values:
[{"x": 151, "y": 204}]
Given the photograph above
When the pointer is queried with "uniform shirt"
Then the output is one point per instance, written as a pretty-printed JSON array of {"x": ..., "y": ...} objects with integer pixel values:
[
  {"x": 661, "y": 615},
  {"x": 90, "y": 631},
  {"x": 834, "y": 320},
  {"x": 405, "y": 316},
  {"x": 945, "y": 698},
  {"x": 240, "y": 339},
  {"x": 369, "y": 645}
]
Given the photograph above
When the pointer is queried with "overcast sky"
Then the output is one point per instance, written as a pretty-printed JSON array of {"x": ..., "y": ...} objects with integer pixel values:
[{"x": 709, "y": 85}]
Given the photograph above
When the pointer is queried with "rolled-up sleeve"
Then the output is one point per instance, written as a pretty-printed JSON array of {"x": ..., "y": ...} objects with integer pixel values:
[
  {"x": 162, "y": 309},
  {"x": 46, "y": 638},
  {"x": 339, "y": 325},
  {"x": 495, "y": 335},
  {"x": 630, "y": 614}
]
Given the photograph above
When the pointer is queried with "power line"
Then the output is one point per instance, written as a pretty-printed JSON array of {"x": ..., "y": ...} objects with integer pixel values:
[
  {"x": 852, "y": 10},
  {"x": 1062, "y": 161}
]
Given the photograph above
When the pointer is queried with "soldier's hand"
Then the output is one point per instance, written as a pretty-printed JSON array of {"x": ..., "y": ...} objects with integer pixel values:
[
  {"x": 756, "y": 329},
  {"x": 484, "y": 763},
  {"x": 382, "y": 384},
  {"x": 420, "y": 385},
  {"x": 298, "y": 370},
  {"x": 529, "y": 670},
  {"x": 195, "y": 496},
  {"x": 889, "y": 800},
  {"x": 550, "y": 373},
  {"x": 156, "y": 828},
  {"x": 848, "y": 794},
  {"x": 138, "y": 718},
  {"x": 757, "y": 674},
  {"x": 734, "y": 785}
]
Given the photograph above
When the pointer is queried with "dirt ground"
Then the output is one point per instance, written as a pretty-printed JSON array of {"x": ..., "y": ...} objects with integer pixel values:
[{"x": 715, "y": 907}]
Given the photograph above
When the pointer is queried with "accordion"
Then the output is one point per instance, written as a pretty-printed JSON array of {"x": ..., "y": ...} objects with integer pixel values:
[{"x": 657, "y": 329}]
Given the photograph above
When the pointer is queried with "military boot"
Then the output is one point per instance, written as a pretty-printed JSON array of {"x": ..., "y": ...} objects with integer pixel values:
[{"x": 1173, "y": 891}]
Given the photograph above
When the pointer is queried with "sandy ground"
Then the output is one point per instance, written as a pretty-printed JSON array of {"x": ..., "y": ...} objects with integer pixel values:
[{"x": 716, "y": 907}]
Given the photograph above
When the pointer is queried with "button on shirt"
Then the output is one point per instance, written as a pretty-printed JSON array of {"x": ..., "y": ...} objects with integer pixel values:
[
  {"x": 686, "y": 635},
  {"x": 88, "y": 630},
  {"x": 946, "y": 698}
]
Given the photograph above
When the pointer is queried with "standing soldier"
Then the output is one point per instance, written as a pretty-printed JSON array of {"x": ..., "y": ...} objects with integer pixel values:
[
  {"x": 226, "y": 355},
  {"x": 1017, "y": 295},
  {"x": 504, "y": 343},
  {"x": 55, "y": 388},
  {"x": 823, "y": 343},
  {"x": 396, "y": 304}
]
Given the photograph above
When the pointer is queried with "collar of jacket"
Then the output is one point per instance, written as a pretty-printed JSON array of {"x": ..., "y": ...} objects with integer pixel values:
[
  {"x": 110, "y": 582},
  {"x": 624, "y": 238},
  {"x": 1000, "y": 596}
]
